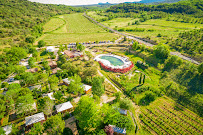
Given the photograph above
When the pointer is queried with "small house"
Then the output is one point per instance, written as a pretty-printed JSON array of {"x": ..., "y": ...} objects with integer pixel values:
[
  {"x": 55, "y": 70},
  {"x": 73, "y": 54},
  {"x": 32, "y": 70},
  {"x": 67, "y": 81},
  {"x": 7, "y": 129},
  {"x": 50, "y": 49},
  {"x": 118, "y": 131},
  {"x": 87, "y": 88},
  {"x": 64, "y": 107},
  {"x": 122, "y": 111},
  {"x": 52, "y": 64},
  {"x": 38, "y": 87},
  {"x": 30, "y": 120},
  {"x": 50, "y": 95}
]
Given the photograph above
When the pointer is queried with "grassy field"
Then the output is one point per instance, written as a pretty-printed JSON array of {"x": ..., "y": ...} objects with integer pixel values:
[
  {"x": 53, "y": 24},
  {"x": 76, "y": 29},
  {"x": 96, "y": 16},
  {"x": 167, "y": 29},
  {"x": 119, "y": 22},
  {"x": 164, "y": 116},
  {"x": 65, "y": 38}
]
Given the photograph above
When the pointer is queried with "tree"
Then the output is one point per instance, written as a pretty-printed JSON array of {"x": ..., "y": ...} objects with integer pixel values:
[
  {"x": 46, "y": 66},
  {"x": 24, "y": 104},
  {"x": 118, "y": 96},
  {"x": 46, "y": 105},
  {"x": 135, "y": 45},
  {"x": 30, "y": 39},
  {"x": 87, "y": 113},
  {"x": 97, "y": 86},
  {"x": 37, "y": 129},
  {"x": 41, "y": 43},
  {"x": 14, "y": 86},
  {"x": 2, "y": 132},
  {"x": 20, "y": 69},
  {"x": 161, "y": 51},
  {"x": 125, "y": 38},
  {"x": 108, "y": 130},
  {"x": 80, "y": 47},
  {"x": 140, "y": 80},
  {"x": 2, "y": 106},
  {"x": 125, "y": 104},
  {"x": 28, "y": 78},
  {"x": 55, "y": 124},
  {"x": 200, "y": 68},
  {"x": 75, "y": 85},
  {"x": 31, "y": 62},
  {"x": 53, "y": 81},
  {"x": 14, "y": 55},
  {"x": 143, "y": 79}
]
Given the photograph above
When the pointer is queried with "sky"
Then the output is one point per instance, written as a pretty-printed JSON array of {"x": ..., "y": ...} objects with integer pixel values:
[{"x": 81, "y": 2}]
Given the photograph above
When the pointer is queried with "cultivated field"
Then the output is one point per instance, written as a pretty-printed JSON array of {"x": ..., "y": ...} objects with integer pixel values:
[
  {"x": 76, "y": 29},
  {"x": 53, "y": 24},
  {"x": 164, "y": 116},
  {"x": 119, "y": 22}
]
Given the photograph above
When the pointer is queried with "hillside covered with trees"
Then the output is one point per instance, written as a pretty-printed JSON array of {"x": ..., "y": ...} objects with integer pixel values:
[{"x": 20, "y": 18}]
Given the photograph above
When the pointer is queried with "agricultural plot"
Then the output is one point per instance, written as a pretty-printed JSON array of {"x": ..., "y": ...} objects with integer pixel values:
[
  {"x": 77, "y": 23},
  {"x": 96, "y": 16},
  {"x": 77, "y": 28},
  {"x": 119, "y": 22},
  {"x": 53, "y": 24},
  {"x": 164, "y": 116},
  {"x": 65, "y": 38}
]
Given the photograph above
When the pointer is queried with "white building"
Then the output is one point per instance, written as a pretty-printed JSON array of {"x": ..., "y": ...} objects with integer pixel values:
[
  {"x": 7, "y": 129},
  {"x": 50, "y": 49},
  {"x": 50, "y": 95},
  {"x": 67, "y": 106},
  {"x": 39, "y": 117}
]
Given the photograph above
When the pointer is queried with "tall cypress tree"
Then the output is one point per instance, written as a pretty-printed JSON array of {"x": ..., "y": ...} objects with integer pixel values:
[
  {"x": 140, "y": 81},
  {"x": 143, "y": 79}
]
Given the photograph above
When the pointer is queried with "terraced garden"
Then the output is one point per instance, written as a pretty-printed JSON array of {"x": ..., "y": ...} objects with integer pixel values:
[{"x": 164, "y": 116}]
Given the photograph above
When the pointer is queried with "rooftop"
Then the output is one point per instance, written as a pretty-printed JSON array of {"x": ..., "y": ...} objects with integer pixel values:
[
  {"x": 86, "y": 87},
  {"x": 7, "y": 129},
  {"x": 34, "y": 119},
  {"x": 118, "y": 130},
  {"x": 67, "y": 81},
  {"x": 63, "y": 106},
  {"x": 50, "y": 95}
]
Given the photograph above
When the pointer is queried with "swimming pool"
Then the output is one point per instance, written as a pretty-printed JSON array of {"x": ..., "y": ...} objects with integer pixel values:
[{"x": 113, "y": 60}]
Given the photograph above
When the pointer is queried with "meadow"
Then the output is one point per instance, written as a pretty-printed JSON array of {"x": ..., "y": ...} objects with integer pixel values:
[
  {"x": 159, "y": 30},
  {"x": 76, "y": 29}
]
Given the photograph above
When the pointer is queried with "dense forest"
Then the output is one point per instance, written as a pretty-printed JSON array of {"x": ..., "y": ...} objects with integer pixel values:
[
  {"x": 20, "y": 18},
  {"x": 185, "y": 7},
  {"x": 21, "y": 22},
  {"x": 190, "y": 42}
]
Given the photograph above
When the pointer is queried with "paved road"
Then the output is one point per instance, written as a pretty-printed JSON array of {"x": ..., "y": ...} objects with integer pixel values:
[{"x": 141, "y": 41}]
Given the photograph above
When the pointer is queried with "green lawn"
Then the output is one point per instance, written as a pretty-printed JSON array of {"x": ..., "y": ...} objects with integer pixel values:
[
  {"x": 53, "y": 24},
  {"x": 76, "y": 29}
]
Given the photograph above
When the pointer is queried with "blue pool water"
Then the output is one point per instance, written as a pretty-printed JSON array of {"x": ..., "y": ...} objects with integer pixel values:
[{"x": 114, "y": 61}]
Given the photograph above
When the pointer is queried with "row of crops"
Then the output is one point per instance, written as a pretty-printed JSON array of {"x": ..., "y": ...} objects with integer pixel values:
[
  {"x": 164, "y": 116},
  {"x": 77, "y": 23}
]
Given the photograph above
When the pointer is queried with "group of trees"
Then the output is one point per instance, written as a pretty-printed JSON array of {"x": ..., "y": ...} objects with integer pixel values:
[
  {"x": 21, "y": 18},
  {"x": 92, "y": 117},
  {"x": 185, "y": 7},
  {"x": 190, "y": 42}
]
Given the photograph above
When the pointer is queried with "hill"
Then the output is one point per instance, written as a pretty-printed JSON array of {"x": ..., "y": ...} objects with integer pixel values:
[{"x": 20, "y": 18}]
